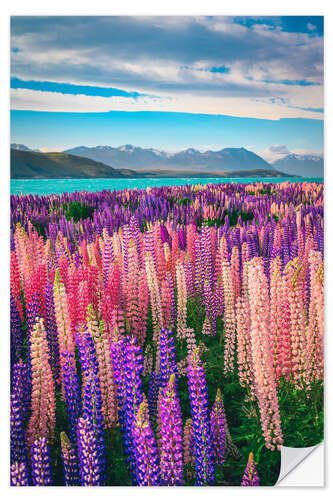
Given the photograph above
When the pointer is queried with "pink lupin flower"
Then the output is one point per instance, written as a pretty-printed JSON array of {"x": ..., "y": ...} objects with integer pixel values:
[
  {"x": 229, "y": 318},
  {"x": 105, "y": 372},
  {"x": 235, "y": 272},
  {"x": 155, "y": 295},
  {"x": 314, "y": 364},
  {"x": 181, "y": 300},
  {"x": 263, "y": 374},
  {"x": 42, "y": 419},
  {"x": 243, "y": 344},
  {"x": 64, "y": 327},
  {"x": 294, "y": 286},
  {"x": 279, "y": 322}
]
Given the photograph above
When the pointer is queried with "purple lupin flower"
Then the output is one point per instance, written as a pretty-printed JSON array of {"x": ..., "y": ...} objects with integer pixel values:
[
  {"x": 92, "y": 397},
  {"x": 20, "y": 386},
  {"x": 206, "y": 255},
  {"x": 250, "y": 477},
  {"x": 165, "y": 236},
  {"x": 40, "y": 463},
  {"x": 126, "y": 373},
  {"x": 72, "y": 391},
  {"x": 117, "y": 358},
  {"x": 18, "y": 474},
  {"x": 18, "y": 450},
  {"x": 51, "y": 332},
  {"x": 69, "y": 461},
  {"x": 210, "y": 303},
  {"x": 153, "y": 395},
  {"x": 107, "y": 259},
  {"x": 171, "y": 449},
  {"x": 168, "y": 363},
  {"x": 91, "y": 468},
  {"x": 147, "y": 466},
  {"x": 16, "y": 334},
  {"x": 133, "y": 368},
  {"x": 203, "y": 441},
  {"x": 217, "y": 425}
]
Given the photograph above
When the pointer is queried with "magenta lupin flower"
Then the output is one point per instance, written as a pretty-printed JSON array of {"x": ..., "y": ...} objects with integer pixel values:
[
  {"x": 250, "y": 477},
  {"x": 147, "y": 463},
  {"x": 40, "y": 463},
  {"x": 217, "y": 425},
  {"x": 171, "y": 449}
]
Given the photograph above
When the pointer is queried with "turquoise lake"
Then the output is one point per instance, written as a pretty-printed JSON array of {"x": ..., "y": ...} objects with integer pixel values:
[{"x": 58, "y": 186}]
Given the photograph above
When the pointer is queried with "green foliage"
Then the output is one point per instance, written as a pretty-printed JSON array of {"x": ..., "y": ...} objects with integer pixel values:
[
  {"x": 77, "y": 210},
  {"x": 185, "y": 202},
  {"x": 232, "y": 216},
  {"x": 302, "y": 414}
]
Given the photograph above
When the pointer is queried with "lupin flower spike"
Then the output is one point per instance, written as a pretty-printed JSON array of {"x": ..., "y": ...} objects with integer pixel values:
[
  {"x": 203, "y": 441},
  {"x": 19, "y": 474},
  {"x": 91, "y": 468},
  {"x": 171, "y": 462},
  {"x": 217, "y": 425},
  {"x": 147, "y": 463},
  {"x": 69, "y": 461},
  {"x": 40, "y": 463},
  {"x": 250, "y": 477}
]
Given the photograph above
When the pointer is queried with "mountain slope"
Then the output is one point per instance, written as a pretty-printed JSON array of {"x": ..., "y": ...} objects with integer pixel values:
[
  {"x": 31, "y": 165},
  {"x": 128, "y": 156},
  {"x": 226, "y": 159},
  {"x": 301, "y": 165}
]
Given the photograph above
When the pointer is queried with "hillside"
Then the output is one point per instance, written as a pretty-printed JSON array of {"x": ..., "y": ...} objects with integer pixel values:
[{"x": 32, "y": 165}]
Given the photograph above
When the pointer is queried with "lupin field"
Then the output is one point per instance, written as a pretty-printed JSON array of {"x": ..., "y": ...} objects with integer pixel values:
[{"x": 172, "y": 336}]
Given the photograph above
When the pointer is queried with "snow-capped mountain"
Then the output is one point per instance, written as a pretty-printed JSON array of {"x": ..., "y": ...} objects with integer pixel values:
[
  {"x": 301, "y": 165},
  {"x": 129, "y": 156},
  {"x": 22, "y": 147}
]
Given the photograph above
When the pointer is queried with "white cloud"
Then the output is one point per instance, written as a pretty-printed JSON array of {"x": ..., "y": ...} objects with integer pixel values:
[
  {"x": 23, "y": 99},
  {"x": 276, "y": 152}
]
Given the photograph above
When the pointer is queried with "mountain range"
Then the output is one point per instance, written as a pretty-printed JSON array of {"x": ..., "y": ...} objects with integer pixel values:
[
  {"x": 132, "y": 161},
  {"x": 301, "y": 165},
  {"x": 227, "y": 159},
  {"x": 129, "y": 156}
]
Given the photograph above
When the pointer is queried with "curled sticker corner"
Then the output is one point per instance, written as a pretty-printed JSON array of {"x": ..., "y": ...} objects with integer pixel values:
[{"x": 292, "y": 458}]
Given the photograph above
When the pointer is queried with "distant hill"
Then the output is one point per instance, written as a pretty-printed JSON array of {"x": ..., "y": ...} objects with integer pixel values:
[
  {"x": 301, "y": 165},
  {"x": 31, "y": 165},
  {"x": 221, "y": 174},
  {"x": 227, "y": 159},
  {"x": 22, "y": 147},
  {"x": 128, "y": 156}
]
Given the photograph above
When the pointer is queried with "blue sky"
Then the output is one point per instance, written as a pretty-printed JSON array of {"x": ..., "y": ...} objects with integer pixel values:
[{"x": 168, "y": 82}]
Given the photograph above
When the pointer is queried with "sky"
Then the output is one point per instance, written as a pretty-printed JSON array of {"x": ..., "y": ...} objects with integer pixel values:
[{"x": 168, "y": 82}]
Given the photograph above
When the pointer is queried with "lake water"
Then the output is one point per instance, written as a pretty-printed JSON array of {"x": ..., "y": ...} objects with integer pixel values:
[{"x": 58, "y": 186}]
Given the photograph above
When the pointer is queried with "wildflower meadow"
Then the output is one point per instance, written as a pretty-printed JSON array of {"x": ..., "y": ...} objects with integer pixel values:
[{"x": 171, "y": 336}]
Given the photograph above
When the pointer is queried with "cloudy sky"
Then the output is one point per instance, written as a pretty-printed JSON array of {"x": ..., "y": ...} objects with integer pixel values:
[{"x": 168, "y": 82}]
